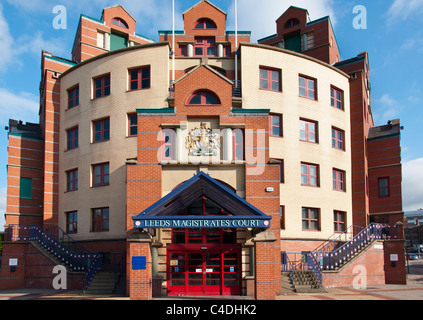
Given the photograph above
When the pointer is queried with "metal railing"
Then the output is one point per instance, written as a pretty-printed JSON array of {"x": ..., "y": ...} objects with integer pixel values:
[
  {"x": 64, "y": 238},
  {"x": 236, "y": 90},
  {"x": 333, "y": 254},
  {"x": 85, "y": 261},
  {"x": 338, "y": 239},
  {"x": 332, "y": 260}
]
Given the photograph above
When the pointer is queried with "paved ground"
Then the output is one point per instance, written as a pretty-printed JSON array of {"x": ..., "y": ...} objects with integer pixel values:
[{"x": 412, "y": 291}]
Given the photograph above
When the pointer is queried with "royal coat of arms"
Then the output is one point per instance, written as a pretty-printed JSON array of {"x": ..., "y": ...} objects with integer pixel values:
[{"x": 203, "y": 141}]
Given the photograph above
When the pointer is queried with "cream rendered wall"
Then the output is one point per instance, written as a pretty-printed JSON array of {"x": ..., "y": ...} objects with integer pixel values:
[
  {"x": 120, "y": 147},
  {"x": 289, "y": 147}
]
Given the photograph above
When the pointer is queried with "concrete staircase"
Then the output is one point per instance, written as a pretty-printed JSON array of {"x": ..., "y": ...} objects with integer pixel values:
[
  {"x": 304, "y": 281},
  {"x": 102, "y": 284},
  {"x": 287, "y": 286}
]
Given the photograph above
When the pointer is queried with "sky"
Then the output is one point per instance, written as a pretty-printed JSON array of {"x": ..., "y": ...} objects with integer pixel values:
[{"x": 390, "y": 30}]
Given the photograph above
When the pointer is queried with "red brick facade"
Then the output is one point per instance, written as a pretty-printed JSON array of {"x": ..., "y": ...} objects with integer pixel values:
[{"x": 35, "y": 150}]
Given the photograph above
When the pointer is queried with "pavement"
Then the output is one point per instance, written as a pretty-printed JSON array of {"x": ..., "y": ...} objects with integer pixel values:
[{"x": 412, "y": 291}]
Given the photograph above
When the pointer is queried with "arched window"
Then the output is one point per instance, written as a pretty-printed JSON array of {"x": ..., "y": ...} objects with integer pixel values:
[
  {"x": 292, "y": 23},
  {"x": 205, "y": 24},
  {"x": 203, "y": 98},
  {"x": 168, "y": 144},
  {"x": 120, "y": 23}
]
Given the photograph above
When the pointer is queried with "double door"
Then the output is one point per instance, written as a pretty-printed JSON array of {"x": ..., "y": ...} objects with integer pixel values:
[{"x": 204, "y": 272}]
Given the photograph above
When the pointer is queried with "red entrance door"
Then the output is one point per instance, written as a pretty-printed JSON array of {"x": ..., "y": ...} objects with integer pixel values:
[{"x": 204, "y": 269}]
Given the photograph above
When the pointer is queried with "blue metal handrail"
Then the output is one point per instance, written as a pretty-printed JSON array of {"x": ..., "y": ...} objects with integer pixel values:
[
  {"x": 314, "y": 266},
  {"x": 88, "y": 262},
  {"x": 335, "y": 259},
  {"x": 92, "y": 270},
  {"x": 343, "y": 237},
  {"x": 60, "y": 235}
]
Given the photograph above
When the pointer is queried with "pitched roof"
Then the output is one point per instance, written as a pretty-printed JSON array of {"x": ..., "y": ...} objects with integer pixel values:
[
  {"x": 194, "y": 189},
  {"x": 208, "y": 68},
  {"x": 214, "y": 6}
]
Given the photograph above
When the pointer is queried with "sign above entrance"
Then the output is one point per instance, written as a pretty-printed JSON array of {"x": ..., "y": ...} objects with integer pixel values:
[
  {"x": 201, "y": 222},
  {"x": 202, "y": 202}
]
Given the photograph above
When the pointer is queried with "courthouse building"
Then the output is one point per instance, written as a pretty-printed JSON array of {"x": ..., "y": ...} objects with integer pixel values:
[{"x": 206, "y": 168}]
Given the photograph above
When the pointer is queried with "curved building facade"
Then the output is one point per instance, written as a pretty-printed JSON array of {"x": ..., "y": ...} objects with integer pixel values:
[{"x": 205, "y": 171}]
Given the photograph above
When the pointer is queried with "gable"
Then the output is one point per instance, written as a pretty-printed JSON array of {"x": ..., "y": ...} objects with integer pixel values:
[
  {"x": 203, "y": 78},
  {"x": 169, "y": 208},
  {"x": 204, "y": 9}
]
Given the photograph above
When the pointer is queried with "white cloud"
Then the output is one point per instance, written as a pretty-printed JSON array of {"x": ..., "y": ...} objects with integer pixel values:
[
  {"x": 413, "y": 44},
  {"x": 36, "y": 43},
  {"x": 402, "y": 10},
  {"x": 151, "y": 15},
  {"x": 251, "y": 13},
  {"x": 386, "y": 108},
  {"x": 23, "y": 106},
  {"x": 6, "y": 42},
  {"x": 412, "y": 189},
  {"x": 12, "y": 48}
]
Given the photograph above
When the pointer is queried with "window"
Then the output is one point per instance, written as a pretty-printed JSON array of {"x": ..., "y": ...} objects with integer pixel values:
[
  {"x": 139, "y": 79},
  {"x": 25, "y": 188},
  {"x": 202, "y": 98},
  {"x": 310, "y": 219},
  {"x": 338, "y": 139},
  {"x": 270, "y": 79},
  {"x": 282, "y": 216},
  {"x": 101, "y": 43},
  {"x": 102, "y": 86},
  {"x": 307, "y": 41},
  {"x": 338, "y": 178},
  {"x": 275, "y": 124},
  {"x": 100, "y": 220},
  {"x": 308, "y": 131},
  {"x": 73, "y": 138},
  {"x": 336, "y": 98},
  {"x": 339, "y": 221},
  {"x": 120, "y": 23},
  {"x": 292, "y": 23},
  {"x": 309, "y": 175},
  {"x": 204, "y": 47},
  {"x": 183, "y": 50},
  {"x": 132, "y": 125},
  {"x": 282, "y": 171},
  {"x": 101, "y": 130},
  {"x": 384, "y": 187},
  {"x": 227, "y": 51},
  {"x": 238, "y": 144},
  {"x": 73, "y": 97},
  {"x": 307, "y": 88},
  {"x": 205, "y": 24},
  {"x": 100, "y": 175},
  {"x": 72, "y": 180},
  {"x": 72, "y": 222},
  {"x": 169, "y": 137}
]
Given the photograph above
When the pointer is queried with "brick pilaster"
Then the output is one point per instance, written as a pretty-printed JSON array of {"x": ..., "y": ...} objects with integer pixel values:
[
  {"x": 266, "y": 284},
  {"x": 140, "y": 282}
]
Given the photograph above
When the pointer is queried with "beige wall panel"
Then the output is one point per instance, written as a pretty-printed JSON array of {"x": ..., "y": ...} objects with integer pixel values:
[
  {"x": 290, "y": 148},
  {"x": 119, "y": 148}
]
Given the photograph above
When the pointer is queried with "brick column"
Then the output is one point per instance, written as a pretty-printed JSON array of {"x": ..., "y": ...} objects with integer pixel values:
[
  {"x": 395, "y": 271},
  {"x": 266, "y": 284},
  {"x": 140, "y": 281}
]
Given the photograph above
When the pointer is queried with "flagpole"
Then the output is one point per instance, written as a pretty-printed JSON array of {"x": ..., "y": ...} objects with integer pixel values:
[
  {"x": 173, "y": 41},
  {"x": 236, "y": 45}
]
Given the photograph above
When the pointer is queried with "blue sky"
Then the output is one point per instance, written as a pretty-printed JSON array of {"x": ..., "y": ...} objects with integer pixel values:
[{"x": 393, "y": 38}]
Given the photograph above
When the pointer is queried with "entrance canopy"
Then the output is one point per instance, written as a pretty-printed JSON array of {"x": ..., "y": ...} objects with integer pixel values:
[{"x": 202, "y": 202}]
